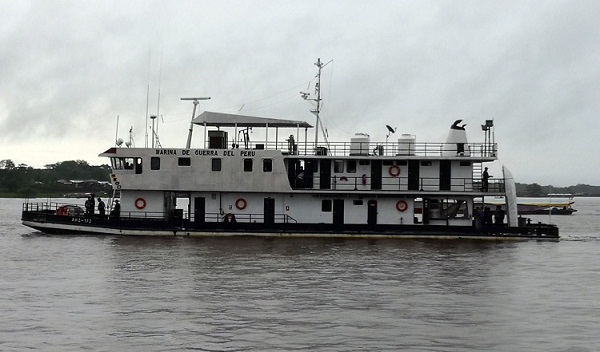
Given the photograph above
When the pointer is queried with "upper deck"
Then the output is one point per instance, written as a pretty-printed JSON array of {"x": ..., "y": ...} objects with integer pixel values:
[
  {"x": 359, "y": 146},
  {"x": 292, "y": 163}
]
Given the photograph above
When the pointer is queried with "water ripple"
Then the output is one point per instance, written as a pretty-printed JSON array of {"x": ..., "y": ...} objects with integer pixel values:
[{"x": 73, "y": 293}]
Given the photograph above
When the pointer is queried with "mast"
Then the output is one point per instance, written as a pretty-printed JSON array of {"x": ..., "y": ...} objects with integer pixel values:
[
  {"x": 117, "y": 131},
  {"x": 153, "y": 133},
  {"x": 318, "y": 99},
  {"x": 147, "y": 107},
  {"x": 317, "y": 111},
  {"x": 195, "y": 101},
  {"x": 147, "y": 101}
]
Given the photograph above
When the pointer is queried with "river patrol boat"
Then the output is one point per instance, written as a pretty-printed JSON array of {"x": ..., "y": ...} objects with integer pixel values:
[{"x": 292, "y": 187}]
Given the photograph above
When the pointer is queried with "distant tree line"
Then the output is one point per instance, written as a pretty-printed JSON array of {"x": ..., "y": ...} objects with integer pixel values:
[
  {"x": 536, "y": 190},
  {"x": 54, "y": 180}
]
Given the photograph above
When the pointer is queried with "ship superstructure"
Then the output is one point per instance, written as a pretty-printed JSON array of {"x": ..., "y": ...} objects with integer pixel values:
[{"x": 286, "y": 185}]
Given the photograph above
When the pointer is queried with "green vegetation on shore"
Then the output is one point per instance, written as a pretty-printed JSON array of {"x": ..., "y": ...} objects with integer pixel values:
[
  {"x": 74, "y": 177},
  {"x": 536, "y": 190},
  {"x": 62, "y": 179}
]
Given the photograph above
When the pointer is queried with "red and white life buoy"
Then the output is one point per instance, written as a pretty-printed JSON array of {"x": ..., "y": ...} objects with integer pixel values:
[
  {"x": 140, "y": 203},
  {"x": 394, "y": 170},
  {"x": 241, "y": 203},
  {"x": 401, "y": 205}
]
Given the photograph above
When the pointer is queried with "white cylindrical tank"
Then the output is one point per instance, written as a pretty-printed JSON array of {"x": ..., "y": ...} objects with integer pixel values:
[
  {"x": 406, "y": 144},
  {"x": 359, "y": 144}
]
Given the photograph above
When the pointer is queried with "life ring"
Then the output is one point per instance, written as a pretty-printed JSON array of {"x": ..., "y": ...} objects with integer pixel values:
[
  {"x": 394, "y": 170},
  {"x": 401, "y": 205},
  {"x": 241, "y": 203},
  {"x": 140, "y": 203}
]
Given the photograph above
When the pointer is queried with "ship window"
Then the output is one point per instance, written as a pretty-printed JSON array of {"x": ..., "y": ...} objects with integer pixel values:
[
  {"x": 357, "y": 202},
  {"x": 326, "y": 205},
  {"x": 129, "y": 162},
  {"x": 351, "y": 166},
  {"x": 425, "y": 163},
  {"x": 216, "y": 164},
  {"x": 364, "y": 162},
  {"x": 154, "y": 163},
  {"x": 338, "y": 166},
  {"x": 387, "y": 162},
  {"x": 267, "y": 165},
  {"x": 402, "y": 162},
  {"x": 184, "y": 161},
  {"x": 117, "y": 163},
  {"x": 465, "y": 163},
  {"x": 248, "y": 165}
]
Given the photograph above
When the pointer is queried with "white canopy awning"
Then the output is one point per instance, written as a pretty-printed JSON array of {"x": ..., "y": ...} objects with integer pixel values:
[{"x": 218, "y": 119}]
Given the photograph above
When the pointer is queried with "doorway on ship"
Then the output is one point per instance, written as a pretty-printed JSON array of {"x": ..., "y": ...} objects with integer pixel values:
[
  {"x": 338, "y": 212},
  {"x": 325, "y": 174},
  {"x": 199, "y": 210},
  {"x": 413, "y": 175},
  {"x": 269, "y": 211},
  {"x": 376, "y": 174},
  {"x": 372, "y": 212},
  {"x": 181, "y": 206},
  {"x": 445, "y": 175}
]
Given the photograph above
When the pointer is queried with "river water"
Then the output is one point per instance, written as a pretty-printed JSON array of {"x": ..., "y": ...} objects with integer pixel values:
[{"x": 82, "y": 293}]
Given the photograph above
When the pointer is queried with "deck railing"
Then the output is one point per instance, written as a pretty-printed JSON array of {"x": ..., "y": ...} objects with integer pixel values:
[
  {"x": 72, "y": 209},
  {"x": 51, "y": 208},
  {"x": 246, "y": 218},
  {"x": 433, "y": 184},
  {"x": 388, "y": 149}
]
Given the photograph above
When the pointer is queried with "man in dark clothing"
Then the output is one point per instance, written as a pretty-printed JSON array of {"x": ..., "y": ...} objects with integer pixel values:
[
  {"x": 90, "y": 204},
  {"x": 487, "y": 216},
  {"x": 499, "y": 216},
  {"x": 101, "y": 207},
  {"x": 116, "y": 211},
  {"x": 484, "y": 180},
  {"x": 479, "y": 219}
]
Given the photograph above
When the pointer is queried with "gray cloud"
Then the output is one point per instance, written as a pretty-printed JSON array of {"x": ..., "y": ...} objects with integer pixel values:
[{"x": 69, "y": 68}]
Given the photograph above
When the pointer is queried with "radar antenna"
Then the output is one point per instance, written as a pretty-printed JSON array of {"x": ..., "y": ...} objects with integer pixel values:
[
  {"x": 390, "y": 131},
  {"x": 195, "y": 101}
]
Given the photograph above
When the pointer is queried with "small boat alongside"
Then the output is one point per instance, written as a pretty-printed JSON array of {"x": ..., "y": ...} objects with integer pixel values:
[
  {"x": 553, "y": 204},
  {"x": 293, "y": 187}
]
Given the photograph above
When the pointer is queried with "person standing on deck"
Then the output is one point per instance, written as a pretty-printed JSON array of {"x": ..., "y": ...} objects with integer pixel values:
[
  {"x": 484, "y": 180},
  {"x": 90, "y": 204},
  {"x": 101, "y": 207},
  {"x": 499, "y": 216},
  {"x": 116, "y": 211}
]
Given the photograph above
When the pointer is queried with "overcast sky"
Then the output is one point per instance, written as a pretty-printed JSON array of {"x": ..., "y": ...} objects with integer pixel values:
[{"x": 69, "y": 68}]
